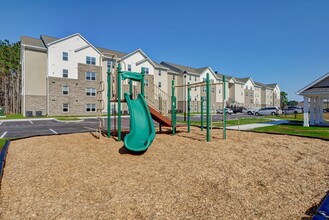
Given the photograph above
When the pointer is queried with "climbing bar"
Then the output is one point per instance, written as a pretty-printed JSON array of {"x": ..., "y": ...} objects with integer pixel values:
[{"x": 132, "y": 76}]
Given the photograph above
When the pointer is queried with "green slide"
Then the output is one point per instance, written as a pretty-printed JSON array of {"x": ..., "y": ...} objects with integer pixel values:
[{"x": 142, "y": 131}]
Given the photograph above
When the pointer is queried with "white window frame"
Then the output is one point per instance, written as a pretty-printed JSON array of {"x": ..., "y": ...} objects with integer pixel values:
[
  {"x": 68, "y": 107},
  {"x": 129, "y": 67},
  {"x": 91, "y": 77},
  {"x": 159, "y": 84},
  {"x": 90, "y": 60},
  {"x": 147, "y": 71},
  {"x": 91, "y": 107},
  {"x": 65, "y": 56},
  {"x": 68, "y": 90},
  {"x": 65, "y": 71},
  {"x": 90, "y": 91},
  {"x": 159, "y": 72}
]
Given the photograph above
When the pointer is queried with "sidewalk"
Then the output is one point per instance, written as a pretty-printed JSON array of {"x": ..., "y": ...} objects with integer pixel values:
[{"x": 257, "y": 125}]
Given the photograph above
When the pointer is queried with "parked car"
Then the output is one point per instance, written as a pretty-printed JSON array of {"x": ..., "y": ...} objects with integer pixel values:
[
  {"x": 269, "y": 111},
  {"x": 249, "y": 111},
  {"x": 292, "y": 110},
  {"x": 228, "y": 111}
]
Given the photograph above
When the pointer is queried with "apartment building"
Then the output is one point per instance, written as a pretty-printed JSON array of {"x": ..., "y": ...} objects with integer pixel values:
[{"x": 64, "y": 76}]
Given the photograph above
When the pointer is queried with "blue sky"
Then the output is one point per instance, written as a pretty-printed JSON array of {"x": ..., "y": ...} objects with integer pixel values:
[{"x": 283, "y": 41}]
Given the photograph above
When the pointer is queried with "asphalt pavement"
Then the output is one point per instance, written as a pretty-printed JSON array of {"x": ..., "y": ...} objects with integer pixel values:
[{"x": 29, "y": 128}]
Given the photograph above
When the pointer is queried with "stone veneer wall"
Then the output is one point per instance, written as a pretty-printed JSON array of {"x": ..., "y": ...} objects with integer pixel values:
[
  {"x": 36, "y": 103},
  {"x": 76, "y": 98}
]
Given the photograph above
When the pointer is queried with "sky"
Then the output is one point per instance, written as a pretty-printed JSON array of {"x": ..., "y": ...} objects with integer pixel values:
[{"x": 272, "y": 41}]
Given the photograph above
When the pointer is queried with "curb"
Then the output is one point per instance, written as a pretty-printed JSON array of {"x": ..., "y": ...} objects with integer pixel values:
[{"x": 3, "y": 155}]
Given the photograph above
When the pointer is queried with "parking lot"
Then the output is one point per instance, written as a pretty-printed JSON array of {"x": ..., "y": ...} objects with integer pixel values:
[
  {"x": 29, "y": 128},
  {"x": 36, "y": 127}
]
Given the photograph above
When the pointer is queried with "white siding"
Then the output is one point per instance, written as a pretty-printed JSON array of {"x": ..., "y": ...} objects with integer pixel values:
[{"x": 56, "y": 64}]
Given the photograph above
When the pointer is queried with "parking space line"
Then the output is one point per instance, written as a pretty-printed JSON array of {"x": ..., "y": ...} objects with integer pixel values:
[
  {"x": 1, "y": 122},
  {"x": 53, "y": 131},
  {"x": 3, "y": 135},
  {"x": 30, "y": 121},
  {"x": 90, "y": 128}
]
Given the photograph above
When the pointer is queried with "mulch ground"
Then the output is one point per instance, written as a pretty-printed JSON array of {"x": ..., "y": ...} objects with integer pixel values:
[{"x": 248, "y": 176}]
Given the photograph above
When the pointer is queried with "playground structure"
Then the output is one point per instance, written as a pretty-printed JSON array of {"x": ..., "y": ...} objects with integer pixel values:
[
  {"x": 206, "y": 84},
  {"x": 142, "y": 109}
]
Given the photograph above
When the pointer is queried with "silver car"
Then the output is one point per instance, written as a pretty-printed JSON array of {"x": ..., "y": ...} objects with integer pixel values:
[{"x": 269, "y": 111}]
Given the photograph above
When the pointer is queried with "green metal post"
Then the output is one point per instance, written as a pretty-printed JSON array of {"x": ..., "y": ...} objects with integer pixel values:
[
  {"x": 224, "y": 108},
  {"x": 173, "y": 108},
  {"x": 109, "y": 102},
  {"x": 188, "y": 108},
  {"x": 131, "y": 88},
  {"x": 119, "y": 102},
  {"x": 202, "y": 100},
  {"x": 142, "y": 82},
  {"x": 208, "y": 108}
]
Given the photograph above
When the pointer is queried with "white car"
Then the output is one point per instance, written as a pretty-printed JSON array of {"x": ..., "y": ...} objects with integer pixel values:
[
  {"x": 228, "y": 111},
  {"x": 269, "y": 111}
]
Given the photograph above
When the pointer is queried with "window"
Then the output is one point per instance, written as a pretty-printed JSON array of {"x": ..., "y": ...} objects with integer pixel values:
[
  {"x": 246, "y": 93},
  {"x": 159, "y": 84},
  {"x": 159, "y": 72},
  {"x": 194, "y": 88},
  {"x": 195, "y": 78},
  {"x": 204, "y": 79},
  {"x": 65, "y": 73},
  {"x": 90, "y": 107},
  {"x": 66, "y": 107},
  {"x": 241, "y": 93},
  {"x": 146, "y": 82},
  {"x": 251, "y": 94},
  {"x": 65, "y": 56},
  {"x": 91, "y": 60},
  {"x": 129, "y": 67},
  {"x": 218, "y": 90},
  {"x": 90, "y": 91},
  {"x": 212, "y": 89},
  {"x": 110, "y": 63},
  {"x": 173, "y": 77},
  {"x": 90, "y": 76},
  {"x": 190, "y": 77},
  {"x": 65, "y": 90},
  {"x": 146, "y": 70}
]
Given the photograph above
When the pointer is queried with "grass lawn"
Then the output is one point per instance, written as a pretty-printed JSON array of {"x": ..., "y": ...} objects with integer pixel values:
[
  {"x": 14, "y": 116},
  {"x": 2, "y": 142},
  {"x": 321, "y": 132},
  {"x": 299, "y": 117},
  {"x": 66, "y": 118}
]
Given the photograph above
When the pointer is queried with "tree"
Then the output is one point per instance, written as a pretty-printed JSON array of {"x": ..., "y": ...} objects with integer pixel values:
[
  {"x": 10, "y": 76},
  {"x": 292, "y": 103},
  {"x": 283, "y": 99}
]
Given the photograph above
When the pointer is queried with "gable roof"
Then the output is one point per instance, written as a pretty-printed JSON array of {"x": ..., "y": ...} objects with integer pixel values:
[
  {"x": 180, "y": 68},
  {"x": 51, "y": 41},
  {"x": 309, "y": 86},
  {"x": 47, "y": 39},
  {"x": 143, "y": 54},
  {"x": 30, "y": 41},
  {"x": 107, "y": 52}
]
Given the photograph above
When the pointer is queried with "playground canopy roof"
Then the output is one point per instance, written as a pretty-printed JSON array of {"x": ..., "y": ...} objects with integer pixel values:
[{"x": 319, "y": 87}]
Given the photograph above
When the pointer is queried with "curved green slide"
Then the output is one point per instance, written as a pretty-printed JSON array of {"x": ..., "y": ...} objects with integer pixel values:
[{"x": 142, "y": 131}]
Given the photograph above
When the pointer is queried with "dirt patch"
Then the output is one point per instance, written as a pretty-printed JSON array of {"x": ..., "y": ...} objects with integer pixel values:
[{"x": 248, "y": 176}]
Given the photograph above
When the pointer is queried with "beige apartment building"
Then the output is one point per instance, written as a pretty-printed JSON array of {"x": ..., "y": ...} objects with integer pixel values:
[{"x": 68, "y": 76}]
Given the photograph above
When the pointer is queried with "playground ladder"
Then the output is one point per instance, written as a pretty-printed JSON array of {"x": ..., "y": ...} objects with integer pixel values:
[{"x": 100, "y": 108}]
